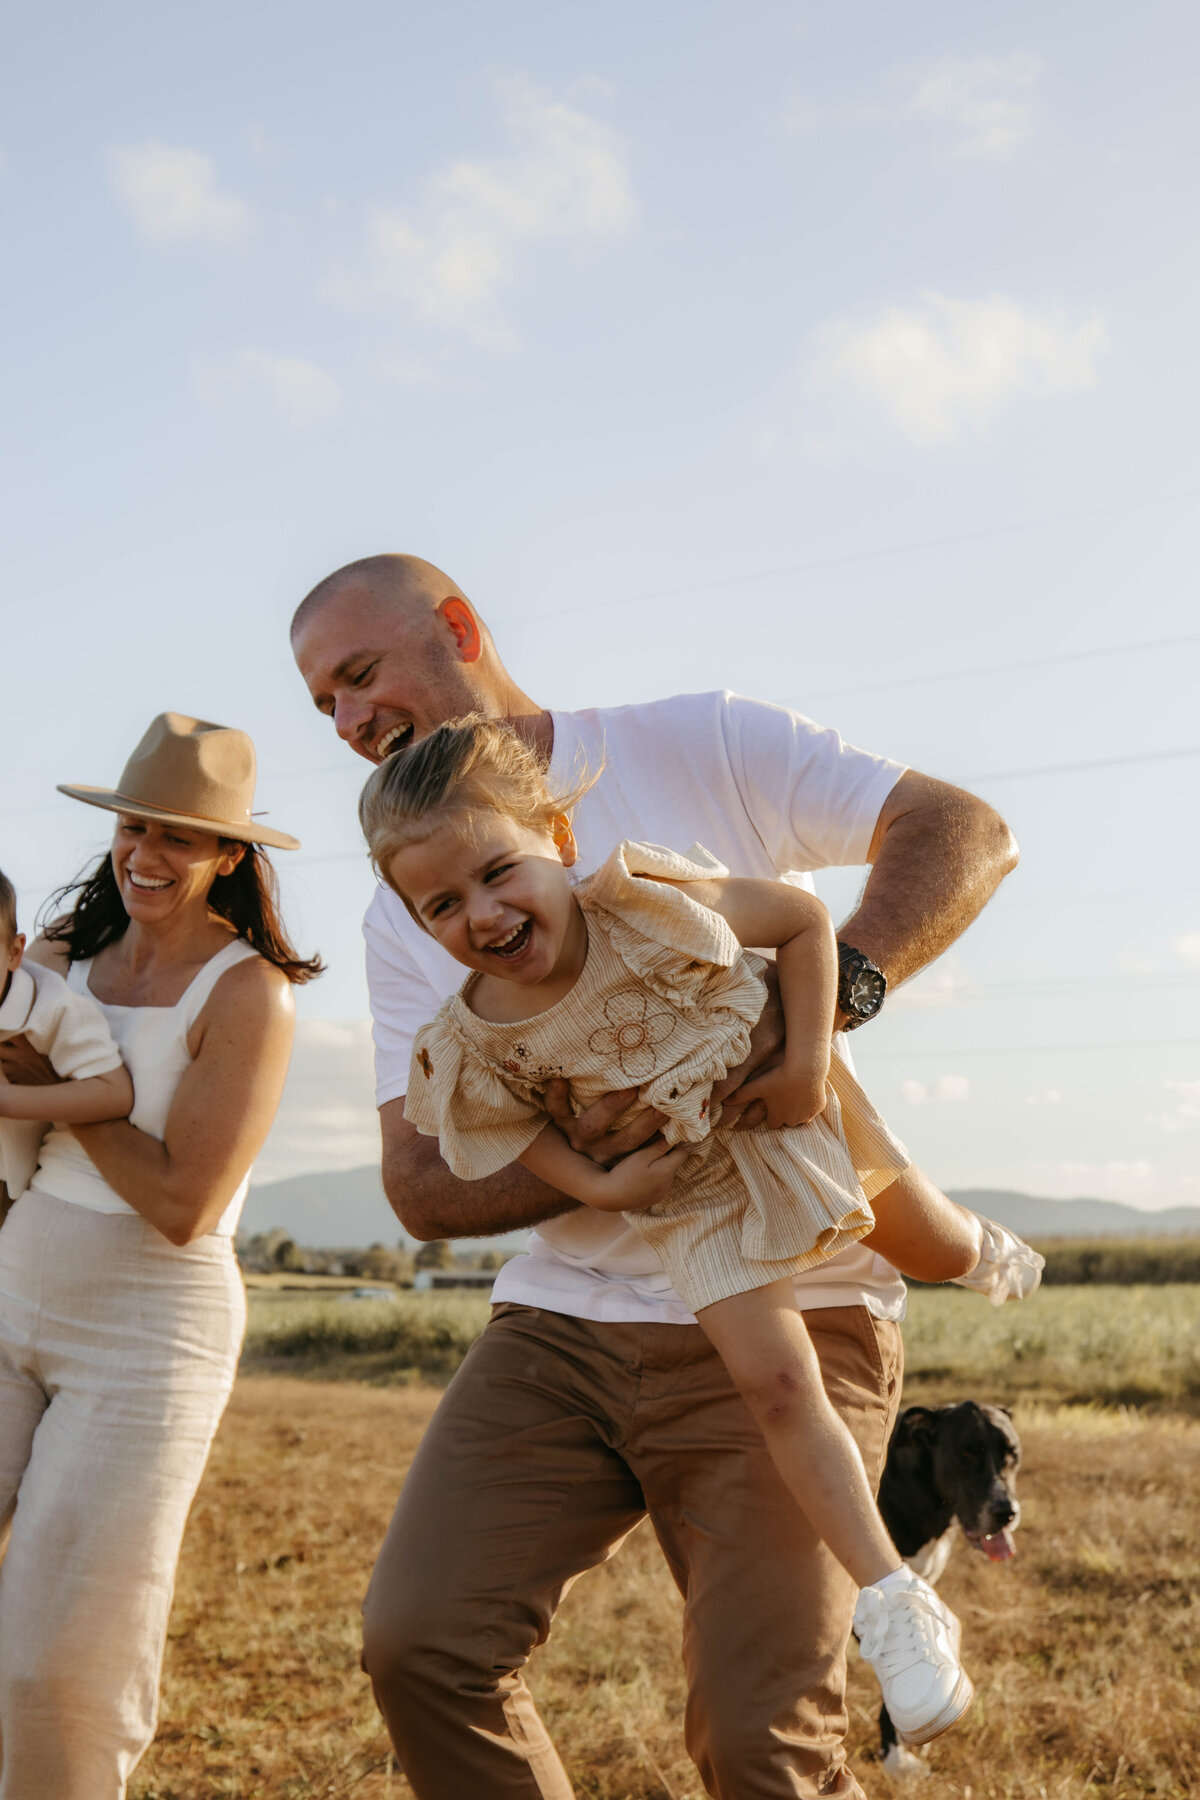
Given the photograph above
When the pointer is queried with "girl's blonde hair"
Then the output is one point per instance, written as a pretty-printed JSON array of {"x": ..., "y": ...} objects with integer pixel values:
[{"x": 468, "y": 765}]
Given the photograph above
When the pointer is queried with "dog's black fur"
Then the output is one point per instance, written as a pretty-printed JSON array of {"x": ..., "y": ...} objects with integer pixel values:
[{"x": 948, "y": 1467}]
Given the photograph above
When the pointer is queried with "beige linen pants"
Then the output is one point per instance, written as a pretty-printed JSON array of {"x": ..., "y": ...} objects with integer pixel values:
[
  {"x": 117, "y": 1355},
  {"x": 556, "y": 1436}
]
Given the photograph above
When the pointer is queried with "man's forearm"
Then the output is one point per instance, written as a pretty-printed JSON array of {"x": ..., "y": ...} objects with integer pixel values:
[
  {"x": 431, "y": 1202},
  {"x": 939, "y": 857}
]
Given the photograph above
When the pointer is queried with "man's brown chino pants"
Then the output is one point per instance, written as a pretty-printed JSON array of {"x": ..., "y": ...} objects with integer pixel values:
[{"x": 556, "y": 1436}]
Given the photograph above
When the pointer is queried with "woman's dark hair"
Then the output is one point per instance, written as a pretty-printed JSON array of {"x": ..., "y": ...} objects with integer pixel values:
[{"x": 248, "y": 899}]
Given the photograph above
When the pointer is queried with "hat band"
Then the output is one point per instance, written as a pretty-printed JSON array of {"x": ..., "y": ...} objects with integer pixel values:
[{"x": 183, "y": 812}]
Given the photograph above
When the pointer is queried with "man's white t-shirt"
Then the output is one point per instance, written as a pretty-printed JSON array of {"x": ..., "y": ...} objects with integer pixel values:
[{"x": 767, "y": 792}]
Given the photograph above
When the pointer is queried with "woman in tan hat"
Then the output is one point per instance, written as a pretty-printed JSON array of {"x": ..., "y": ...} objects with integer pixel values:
[{"x": 121, "y": 1306}]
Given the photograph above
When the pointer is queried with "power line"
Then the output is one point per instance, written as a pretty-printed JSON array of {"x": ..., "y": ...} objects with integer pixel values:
[
  {"x": 816, "y": 564},
  {"x": 941, "y": 999},
  {"x": 1012, "y": 668},
  {"x": 1027, "y": 1049},
  {"x": 1080, "y": 768}
]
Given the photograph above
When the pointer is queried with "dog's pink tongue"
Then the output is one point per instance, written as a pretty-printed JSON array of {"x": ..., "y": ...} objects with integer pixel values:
[{"x": 999, "y": 1547}]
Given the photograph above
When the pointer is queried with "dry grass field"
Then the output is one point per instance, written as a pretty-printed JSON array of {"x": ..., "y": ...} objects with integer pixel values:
[{"x": 1085, "y": 1650}]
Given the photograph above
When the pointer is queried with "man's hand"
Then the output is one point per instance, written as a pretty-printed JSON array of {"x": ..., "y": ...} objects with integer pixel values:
[{"x": 591, "y": 1132}]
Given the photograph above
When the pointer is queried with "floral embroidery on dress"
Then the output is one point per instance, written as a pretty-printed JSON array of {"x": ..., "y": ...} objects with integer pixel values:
[
  {"x": 426, "y": 1062},
  {"x": 633, "y": 1032}
]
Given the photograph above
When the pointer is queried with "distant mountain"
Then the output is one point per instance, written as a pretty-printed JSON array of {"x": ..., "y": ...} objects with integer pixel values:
[
  {"x": 347, "y": 1208},
  {"x": 343, "y": 1208},
  {"x": 1034, "y": 1218}
]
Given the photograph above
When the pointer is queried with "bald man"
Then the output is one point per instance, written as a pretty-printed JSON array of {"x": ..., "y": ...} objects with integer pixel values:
[{"x": 593, "y": 1397}]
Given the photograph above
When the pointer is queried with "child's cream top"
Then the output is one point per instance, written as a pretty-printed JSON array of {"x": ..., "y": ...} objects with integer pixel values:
[
  {"x": 153, "y": 1041},
  {"x": 68, "y": 1028},
  {"x": 665, "y": 1003}
]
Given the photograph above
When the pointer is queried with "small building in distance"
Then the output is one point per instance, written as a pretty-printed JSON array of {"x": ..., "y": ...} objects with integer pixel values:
[{"x": 442, "y": 1279}]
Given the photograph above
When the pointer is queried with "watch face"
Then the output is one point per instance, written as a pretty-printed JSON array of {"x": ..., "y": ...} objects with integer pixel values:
[{"x": 864, "y": 992}]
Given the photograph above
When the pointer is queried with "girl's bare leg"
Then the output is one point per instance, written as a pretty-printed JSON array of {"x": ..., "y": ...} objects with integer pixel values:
[
  {"x": 763, "y": 1341},
  {"x": 922, "y": 1232}
]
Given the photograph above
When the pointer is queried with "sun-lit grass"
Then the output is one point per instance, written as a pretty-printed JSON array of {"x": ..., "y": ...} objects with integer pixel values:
[
  {"x": 376, "y": 1340},
  {"x": 1085, "y": 1650},
  {"x": 1115, "y": 1344},
  {"x": 1132, "y": 1345}
]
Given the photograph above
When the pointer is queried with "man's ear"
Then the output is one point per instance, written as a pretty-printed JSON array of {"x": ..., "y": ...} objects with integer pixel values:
[
  {"x": 464, "y": 628},
  {"x": 564, "y": 839}
]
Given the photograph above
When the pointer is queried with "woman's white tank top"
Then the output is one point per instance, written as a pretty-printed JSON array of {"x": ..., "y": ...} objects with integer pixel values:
[{"x": 153, "y": 1045}]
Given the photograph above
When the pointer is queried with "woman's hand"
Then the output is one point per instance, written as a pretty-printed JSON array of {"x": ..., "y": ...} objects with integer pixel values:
[
  {"x": 641, "y": 1179},
  {"x": 24, "y": 1066}
]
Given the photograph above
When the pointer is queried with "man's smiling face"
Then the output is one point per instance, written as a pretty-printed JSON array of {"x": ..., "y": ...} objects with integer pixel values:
[{"x": 386, "y": 673}]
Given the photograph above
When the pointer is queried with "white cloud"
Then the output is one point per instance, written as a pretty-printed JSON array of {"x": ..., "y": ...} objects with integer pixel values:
[
  {"x": 987, "y": 97},
  {"x": 171, "y": 193},
  {"x": 1189, "y": 946},
  {"x": 1185, "y": 1111},
  {"x": 947, "y": 1088},
  {"x": 947, "y": 368},
  {"x": 1044, "y": 1097},
  {"x": 566, "y": 179},
  {"x": 304, "y": 391}
]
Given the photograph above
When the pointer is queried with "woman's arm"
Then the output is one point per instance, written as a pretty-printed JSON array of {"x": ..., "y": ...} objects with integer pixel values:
[
  {"x": 223, "y": 1108},
  {"x": 773, "y": 915},
  {"x": 79, "y": 1102}
]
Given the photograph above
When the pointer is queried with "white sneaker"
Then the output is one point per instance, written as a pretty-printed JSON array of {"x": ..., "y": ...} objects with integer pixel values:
[
  {"x": 1008, "y": 1269},
  {"x": 911, "y": 1638}
]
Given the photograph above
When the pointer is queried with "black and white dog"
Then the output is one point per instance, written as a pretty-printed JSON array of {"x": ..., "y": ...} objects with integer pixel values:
[{"x": 949, "y": 1469}]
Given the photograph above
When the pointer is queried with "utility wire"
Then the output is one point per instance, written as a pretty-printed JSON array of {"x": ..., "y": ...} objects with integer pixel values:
[
  {"x": 1011, "y": 668},
  {"x": 812, "y": 565},
  {"x": 815, "y": 564},
  {"x": 1080, "y": 768},
  {"x": 1026, "y": 1049}
]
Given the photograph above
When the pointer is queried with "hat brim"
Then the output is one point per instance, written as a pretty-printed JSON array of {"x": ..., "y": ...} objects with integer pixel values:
[{"x": 108, "y": 800}]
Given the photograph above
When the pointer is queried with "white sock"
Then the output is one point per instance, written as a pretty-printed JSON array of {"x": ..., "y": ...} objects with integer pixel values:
[{"x": 896, "y": 1578}]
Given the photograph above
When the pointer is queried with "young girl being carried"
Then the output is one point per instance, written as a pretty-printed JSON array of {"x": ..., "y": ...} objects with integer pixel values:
[{"x": 637, "y": 978}]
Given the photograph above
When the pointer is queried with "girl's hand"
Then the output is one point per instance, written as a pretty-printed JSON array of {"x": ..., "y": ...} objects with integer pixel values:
[
  {"x": 789, "y": 1096},
  {"x": 640, "y": 1180}
]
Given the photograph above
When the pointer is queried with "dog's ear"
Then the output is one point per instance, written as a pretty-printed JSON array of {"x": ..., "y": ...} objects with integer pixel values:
[{"x": 918, "y": 1424}]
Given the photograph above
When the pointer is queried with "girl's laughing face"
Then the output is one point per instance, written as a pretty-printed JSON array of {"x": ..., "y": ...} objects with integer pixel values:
[{"x": 495, "y": 894}]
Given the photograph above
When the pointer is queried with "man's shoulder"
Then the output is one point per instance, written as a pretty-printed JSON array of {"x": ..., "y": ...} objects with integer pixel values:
[{"x": 712, "y": 724}]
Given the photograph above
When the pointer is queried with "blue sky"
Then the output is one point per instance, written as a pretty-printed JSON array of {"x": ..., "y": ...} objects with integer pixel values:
[{"x": 825, "y": 354}]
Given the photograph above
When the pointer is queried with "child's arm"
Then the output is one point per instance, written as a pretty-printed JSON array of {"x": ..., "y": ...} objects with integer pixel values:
[
  {"x": 638, "y": 1181},
  {"x": 82, "y": 1102},
  {"x": 775, "y": 916}
]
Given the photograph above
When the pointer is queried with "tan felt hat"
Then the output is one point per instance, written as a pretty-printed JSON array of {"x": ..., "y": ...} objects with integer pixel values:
[{"x": 192, "y": 773}]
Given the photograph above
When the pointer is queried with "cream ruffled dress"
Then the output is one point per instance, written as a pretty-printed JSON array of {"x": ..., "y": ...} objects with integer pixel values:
[{"x": 665, "y": 1002}]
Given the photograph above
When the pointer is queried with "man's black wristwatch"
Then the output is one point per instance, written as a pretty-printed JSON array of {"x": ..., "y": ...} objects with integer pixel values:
[{"x": 861, "y": 986}]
